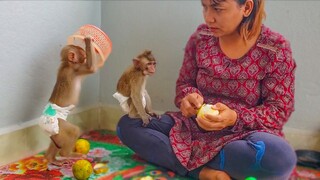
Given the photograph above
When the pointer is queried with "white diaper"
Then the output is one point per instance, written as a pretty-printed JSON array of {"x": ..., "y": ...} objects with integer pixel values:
[
  {"x": 123, "y": 100},
  {"x": 49, "y": 119}
]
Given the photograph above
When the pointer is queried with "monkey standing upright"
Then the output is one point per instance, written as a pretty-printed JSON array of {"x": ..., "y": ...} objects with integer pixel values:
[
  {"x": 131, "y": 88},
  {"x": 75, "y": 64}
]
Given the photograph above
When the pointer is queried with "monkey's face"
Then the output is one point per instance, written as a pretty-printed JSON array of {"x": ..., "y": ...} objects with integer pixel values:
[{"x": 150, "y": 68}]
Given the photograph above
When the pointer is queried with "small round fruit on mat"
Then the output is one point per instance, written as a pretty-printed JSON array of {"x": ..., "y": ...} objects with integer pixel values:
[
  {"x": 82, "y": 146},
  {"x": 82, "y": 169},
  {"x": 100, "y": 168},
  {"x": 147, "y": 178}
]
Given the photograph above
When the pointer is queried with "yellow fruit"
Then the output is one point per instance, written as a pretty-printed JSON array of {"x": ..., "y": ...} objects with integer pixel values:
[
  {"x": 147, "y": 178},
  {"x": 82, "y": 169},
  {"x": 100, "y": 168},
  {"x": 82, "y": 146},
  {"x": 207, "y": 109}
]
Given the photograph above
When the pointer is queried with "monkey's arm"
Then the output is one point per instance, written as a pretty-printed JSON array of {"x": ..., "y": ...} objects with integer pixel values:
[
  {"x": 136, "y": 97},
  {"x": 148, "y": 101},
  {"x": 91, "y": 64},
  {"x": 149, "y": 109}
]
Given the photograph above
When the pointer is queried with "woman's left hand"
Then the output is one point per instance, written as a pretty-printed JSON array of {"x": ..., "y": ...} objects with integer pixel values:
[{"x": 227, "y": 117}]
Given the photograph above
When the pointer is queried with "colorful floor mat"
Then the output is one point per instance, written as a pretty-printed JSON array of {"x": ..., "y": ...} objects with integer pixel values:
[{"x": 123, "y": 164}]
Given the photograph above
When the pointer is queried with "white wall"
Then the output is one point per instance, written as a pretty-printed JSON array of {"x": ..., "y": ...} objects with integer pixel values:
[
  {"x": 299, "y": 21},
  {"x": 31, "y": 36},
  {"x": 165, "y": 26},
  {"x": 33, "y": 32}
]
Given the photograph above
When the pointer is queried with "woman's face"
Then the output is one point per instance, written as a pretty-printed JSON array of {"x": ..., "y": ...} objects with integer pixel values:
[{"x": 222, "y": 18}]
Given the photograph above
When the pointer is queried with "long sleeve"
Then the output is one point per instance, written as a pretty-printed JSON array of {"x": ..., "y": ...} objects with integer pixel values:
[
  {"x": 277, "y": 96},
  {"x": 186, "y": 82}
]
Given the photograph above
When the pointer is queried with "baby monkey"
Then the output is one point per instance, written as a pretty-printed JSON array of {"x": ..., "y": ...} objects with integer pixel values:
[
  {"x": 76, "y": 63},
  {"x": 131, "y": 88}
]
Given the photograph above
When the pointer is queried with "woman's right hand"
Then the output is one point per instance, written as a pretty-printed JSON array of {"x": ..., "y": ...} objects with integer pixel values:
[{"x": 190, "y": 104}]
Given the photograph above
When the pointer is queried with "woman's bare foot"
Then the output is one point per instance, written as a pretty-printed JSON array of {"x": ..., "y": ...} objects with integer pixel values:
[{"x": 212, "y": 174}]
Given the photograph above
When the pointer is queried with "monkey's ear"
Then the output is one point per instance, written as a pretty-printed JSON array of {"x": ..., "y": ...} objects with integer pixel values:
[
  {"x": 71, "y": 56},
  {"x": 136, "y": 62}
]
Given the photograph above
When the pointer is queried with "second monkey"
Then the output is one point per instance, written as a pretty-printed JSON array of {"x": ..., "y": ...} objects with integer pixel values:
[{"x": 131, "y": 88}]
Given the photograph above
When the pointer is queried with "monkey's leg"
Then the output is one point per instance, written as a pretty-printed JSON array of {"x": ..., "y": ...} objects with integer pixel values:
[
  {"x": 133, "y": 113},
  {"x": 71, "y": 133},
  {"x": 54, "y": 147},
  {"x": 137, "y": 111},
  {"x": 51, "y": 153}
]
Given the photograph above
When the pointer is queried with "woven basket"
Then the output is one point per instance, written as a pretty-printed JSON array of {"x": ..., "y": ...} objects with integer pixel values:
[{"x": 101, "y": 42}]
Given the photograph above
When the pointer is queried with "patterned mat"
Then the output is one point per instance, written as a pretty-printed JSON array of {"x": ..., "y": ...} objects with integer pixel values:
[{"x": 123, "y": 164}]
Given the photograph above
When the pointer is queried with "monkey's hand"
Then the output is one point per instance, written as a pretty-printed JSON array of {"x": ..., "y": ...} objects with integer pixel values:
[
  {"x": 88, "y": 40},
  {"x": 153, "y": 114},
  {"x": 146, "y": 119}
]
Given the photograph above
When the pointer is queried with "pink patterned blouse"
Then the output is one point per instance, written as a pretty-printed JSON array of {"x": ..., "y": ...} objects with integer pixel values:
[{"x": 259, "y": 86}]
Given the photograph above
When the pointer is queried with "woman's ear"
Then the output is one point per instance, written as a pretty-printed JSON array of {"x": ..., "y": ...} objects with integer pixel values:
[{"x": 248, "y": 7}]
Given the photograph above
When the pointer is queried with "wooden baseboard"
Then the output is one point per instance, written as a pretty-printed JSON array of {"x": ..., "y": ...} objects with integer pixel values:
[{"x": 303, "y": 139}]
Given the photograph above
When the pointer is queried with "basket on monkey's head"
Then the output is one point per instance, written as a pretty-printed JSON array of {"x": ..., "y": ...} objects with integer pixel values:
[{"x": 101, "y": 42}]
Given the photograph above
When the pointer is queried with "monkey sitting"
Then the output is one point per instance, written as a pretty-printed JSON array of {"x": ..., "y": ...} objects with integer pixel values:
[
  {"x": 75, "y": 64},
  {"x": 131, "y": 93}
]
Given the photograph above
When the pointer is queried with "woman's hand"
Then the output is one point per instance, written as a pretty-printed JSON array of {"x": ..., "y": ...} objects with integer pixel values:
[
  {"x": 190, "y": 104},
  {"x": 227, "y": 117}
]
